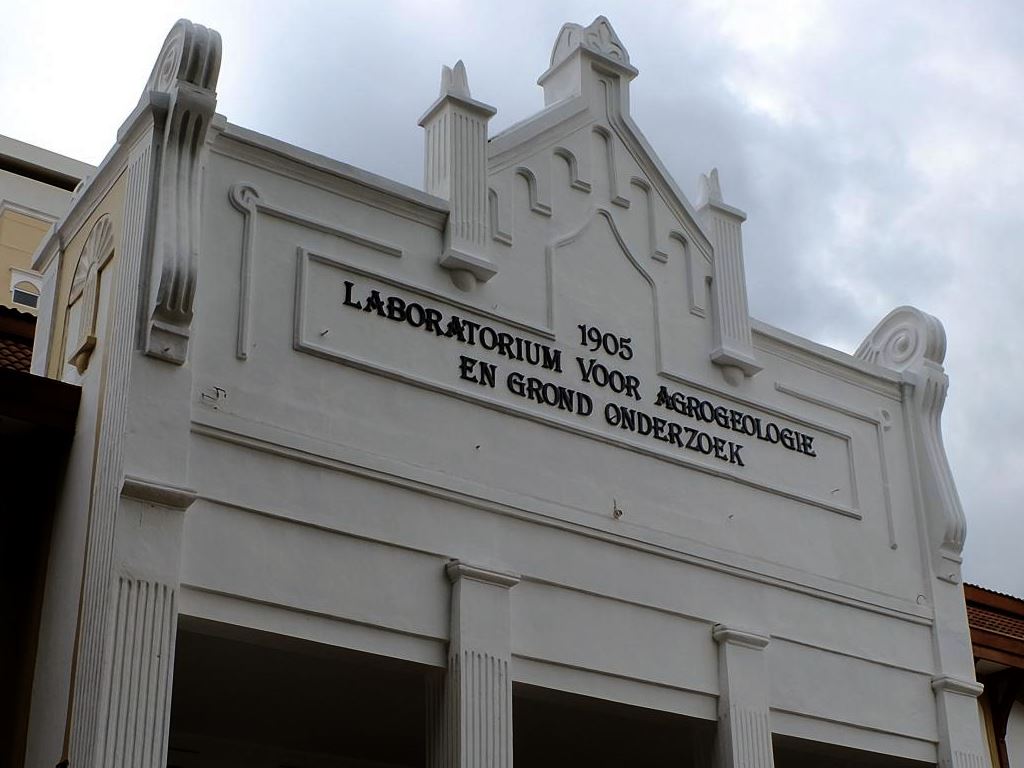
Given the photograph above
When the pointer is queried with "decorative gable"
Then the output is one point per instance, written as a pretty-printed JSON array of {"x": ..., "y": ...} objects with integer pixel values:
[{"x": 582, "y": 157}]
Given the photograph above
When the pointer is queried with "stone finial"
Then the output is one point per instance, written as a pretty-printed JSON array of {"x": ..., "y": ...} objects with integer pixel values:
[
  {"x": 598, "y": 37},
  {"x": 586, "y": 61},
  {"x": 710, "y": 188},
  {"x": 734, "y": 346},
  {"x": 455, "y": 168},
  {"x": 454, "y": 81}
]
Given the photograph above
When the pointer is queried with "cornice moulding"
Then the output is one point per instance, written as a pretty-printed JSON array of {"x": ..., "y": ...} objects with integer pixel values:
[
  {"x": 156, "y": 492},
  {"x": 271, "y": 440},
  {"x": 470, "y": 104},
  {"x": 405, "y": 200},
  {"x": 831, "y": 361},
  {"x": 957, "y": 685},
  {"x": 457, "y": 569},
  {"x": 723, "y": 633}
]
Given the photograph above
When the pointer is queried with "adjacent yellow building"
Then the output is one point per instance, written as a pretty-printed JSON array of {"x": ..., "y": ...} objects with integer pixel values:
[{"x": 36, "y": 187}]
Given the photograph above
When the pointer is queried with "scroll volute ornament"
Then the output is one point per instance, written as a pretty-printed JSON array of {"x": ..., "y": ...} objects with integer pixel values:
[
  {"x": 85, "y": 290},
  {"x": 905, "y": 339},
  {"x": 913, "y": 343},
  {"x": 182, "y": 88}
]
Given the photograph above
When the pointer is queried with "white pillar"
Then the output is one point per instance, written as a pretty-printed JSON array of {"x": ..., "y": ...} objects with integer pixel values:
[
  {"x": 455, "y": 168},
  {"x": 734, "y": 346},
  {"x": 137, "y": 691},
  {"x": 744, "y": 732},
  {"x": 961, "y": 742},
  {"x": 471, "y": 711}
]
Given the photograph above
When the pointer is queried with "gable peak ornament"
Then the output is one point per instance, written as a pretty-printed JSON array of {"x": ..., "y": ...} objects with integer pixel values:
[
  {"x": 598, "y": 37},
  {"x": 455, "y": 81}
]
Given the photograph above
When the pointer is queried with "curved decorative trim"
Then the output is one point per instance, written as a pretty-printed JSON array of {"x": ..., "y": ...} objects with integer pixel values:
[
  {"x": 613, "y": 178},
  {"x": 245, "y": 198},
  {"x": 575, "y": 235},
  {"x": 536, "y": 204},
  {"x": 697, "y": 286},
  {"x": 574, "y": 169},
  {"x": 905, "y": 339},
  {"x": 494, "y": 219},
  {"x": 184, "y": 79},
  {"x": 652, "y": 224}
]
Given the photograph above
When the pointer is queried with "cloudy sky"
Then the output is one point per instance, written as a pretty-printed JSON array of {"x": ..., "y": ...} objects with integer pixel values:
[{"x": 877, "y": 147}]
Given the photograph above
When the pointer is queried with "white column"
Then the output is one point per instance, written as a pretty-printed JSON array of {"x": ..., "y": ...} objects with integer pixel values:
[
  {"x": 744, "y": 732},
  {"x": 471, "y": 711}
]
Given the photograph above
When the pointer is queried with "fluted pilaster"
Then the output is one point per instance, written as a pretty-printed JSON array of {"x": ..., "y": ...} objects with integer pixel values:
[
  {"x": 455, "y": 168},
  {"x": 733, "y": 341},
  {"x": 139, "y": 701},
  {"x": 744, "y": 729},
  {"x": 470, "y": 710},
  {"x": 961, "y": 743}
]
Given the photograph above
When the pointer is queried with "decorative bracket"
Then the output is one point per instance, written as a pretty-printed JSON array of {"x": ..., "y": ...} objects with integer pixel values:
[
  {"x": 183, "y": 87},
  {"x": 913, "y": 343}
]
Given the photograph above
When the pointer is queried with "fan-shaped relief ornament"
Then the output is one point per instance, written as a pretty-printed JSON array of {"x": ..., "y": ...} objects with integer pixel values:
[{"x": 85, "y": 290}]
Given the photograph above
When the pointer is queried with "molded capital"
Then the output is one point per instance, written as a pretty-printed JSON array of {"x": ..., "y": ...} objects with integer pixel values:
[{"x": 722, "y": 633}]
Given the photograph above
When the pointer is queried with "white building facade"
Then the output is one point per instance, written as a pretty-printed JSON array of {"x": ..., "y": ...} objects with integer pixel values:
[{"x": 502, "y": 469}]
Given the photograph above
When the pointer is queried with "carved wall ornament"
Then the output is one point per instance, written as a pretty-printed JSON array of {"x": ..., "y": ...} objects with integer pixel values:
[
  {"x": 538, "y": 203},
  {"x": 913, "y": 343},
  {"x": 657, "y": 253},
  {"x": 614, "y": 193},
  {"x": 183, "y": 83},
  {"x": 499, "y": 233},
  {"x": 598, "y": 37},
  {"x": 905, "y": 338},
  {"x": 85, "y": 289},
  {"x": 576, "y": 179},
  {"x": 245, "y": 198}
]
